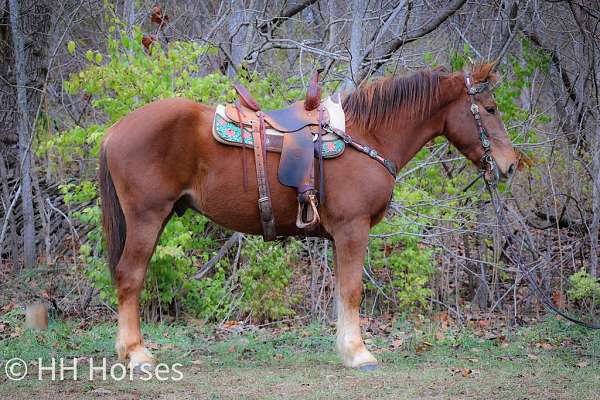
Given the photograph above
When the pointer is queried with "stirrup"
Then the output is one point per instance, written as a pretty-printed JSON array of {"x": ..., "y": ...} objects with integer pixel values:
[{"x": 305, "y": 210}]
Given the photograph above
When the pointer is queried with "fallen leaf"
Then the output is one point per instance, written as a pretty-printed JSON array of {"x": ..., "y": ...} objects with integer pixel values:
[
  {"x": 582, "y": 364},
  {"x": 532, "y": 356},
  {"x": 197, "y": 362},
  {"x": 464, "y": 372},
  {"x": 547, "y": 346},
  {"x": 397, "y": 343},
  {"x": 440, "y": 334},
  {"x": 525, "y": 160},
  {"x": 101, "y": 391},
  {"x": 558, "y": 298},
  {"x": 483, "y": 323},
  {"x": 9, "y": 307},
  {"x": 231, "y": 349},
  {"x": 423, "y": 347},
  {"x": 379, "y": 351},
  {"x": 230, "y": 324},
  {"x": 152, "y": 346}
]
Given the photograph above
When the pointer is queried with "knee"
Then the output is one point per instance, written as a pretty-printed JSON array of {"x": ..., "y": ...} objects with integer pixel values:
[{"x": 128, "y": 285}]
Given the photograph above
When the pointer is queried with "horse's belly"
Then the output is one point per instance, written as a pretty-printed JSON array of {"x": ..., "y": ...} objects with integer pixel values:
[{"x": 221, "y": 197}]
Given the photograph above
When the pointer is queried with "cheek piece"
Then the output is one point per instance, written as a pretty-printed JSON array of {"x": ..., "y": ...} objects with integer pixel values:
[{"x": 489, "y": 167}]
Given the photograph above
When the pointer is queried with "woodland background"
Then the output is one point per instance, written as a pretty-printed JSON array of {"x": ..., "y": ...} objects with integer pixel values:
[{"x": 69, "y": 69}]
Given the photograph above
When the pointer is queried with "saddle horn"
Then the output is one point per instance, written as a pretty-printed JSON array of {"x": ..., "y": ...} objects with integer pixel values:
[
  {"x": 313, "y": 94},
  {"x": 245, "y": 98}
]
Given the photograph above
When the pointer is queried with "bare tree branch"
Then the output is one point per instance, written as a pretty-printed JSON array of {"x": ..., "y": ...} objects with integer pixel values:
[
  {"x": 287, "y": 13},
  {"x": 413, "y": 35}
]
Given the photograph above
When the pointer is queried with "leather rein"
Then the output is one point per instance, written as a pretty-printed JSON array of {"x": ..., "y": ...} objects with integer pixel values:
[{"x": 491, "y": 175}]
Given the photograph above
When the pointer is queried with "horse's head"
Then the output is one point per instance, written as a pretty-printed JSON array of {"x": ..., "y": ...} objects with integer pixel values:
[{"x": 473, "y": 124}]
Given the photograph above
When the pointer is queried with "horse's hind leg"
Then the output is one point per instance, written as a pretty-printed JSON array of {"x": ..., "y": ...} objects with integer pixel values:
[{"x": 143, "y": 231}]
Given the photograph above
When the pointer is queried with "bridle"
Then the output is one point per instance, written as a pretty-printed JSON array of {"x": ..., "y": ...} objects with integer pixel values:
[
  {"x": 491, "y": 175},
  {"x": 489, "y": 168}
]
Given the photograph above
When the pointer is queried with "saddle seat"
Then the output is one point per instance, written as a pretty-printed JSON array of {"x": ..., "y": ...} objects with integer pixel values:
[{"x": 292, "y": 119}]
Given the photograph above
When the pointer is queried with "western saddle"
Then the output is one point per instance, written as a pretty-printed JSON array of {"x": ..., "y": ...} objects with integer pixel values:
[{"x": 301, "y": 124}]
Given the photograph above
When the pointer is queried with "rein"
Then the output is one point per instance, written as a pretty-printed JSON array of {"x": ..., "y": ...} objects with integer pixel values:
[
  {"x": 491, "y": 175},
  {"x": 512, "y": 241}
]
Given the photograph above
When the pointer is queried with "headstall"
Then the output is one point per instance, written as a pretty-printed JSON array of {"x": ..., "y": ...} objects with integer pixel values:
[{"x": 489, "y": 168}]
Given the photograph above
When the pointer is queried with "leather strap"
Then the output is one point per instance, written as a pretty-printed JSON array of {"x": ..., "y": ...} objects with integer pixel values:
[
  {"x": 320, "y": 144},
  {"x": 265, "y": 206},
  {"x": 363, "y": 148}
]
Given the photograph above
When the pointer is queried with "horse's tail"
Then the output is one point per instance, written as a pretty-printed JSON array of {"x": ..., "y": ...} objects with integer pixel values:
[{"x": 113, "y": 220}]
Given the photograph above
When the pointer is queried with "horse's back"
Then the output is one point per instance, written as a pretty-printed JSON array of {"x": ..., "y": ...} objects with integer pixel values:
[
  {"x": 157, "y": 146},
  {"x": 159, "y": 117}
]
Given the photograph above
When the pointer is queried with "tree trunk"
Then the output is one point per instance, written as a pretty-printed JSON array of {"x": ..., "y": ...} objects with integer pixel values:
[
  {"x": 29, "y": 25},
  {"x": 10, "y": 246},
  {"x": 359, "y": 8},
  {"x": 595, "y": 225}
]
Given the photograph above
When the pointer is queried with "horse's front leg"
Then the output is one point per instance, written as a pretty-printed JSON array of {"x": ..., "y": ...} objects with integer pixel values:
[{"x": 350, "y": 245}]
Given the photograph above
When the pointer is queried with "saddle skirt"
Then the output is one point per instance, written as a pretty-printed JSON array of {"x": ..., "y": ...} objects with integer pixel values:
[{"x": 228, "y": 131}]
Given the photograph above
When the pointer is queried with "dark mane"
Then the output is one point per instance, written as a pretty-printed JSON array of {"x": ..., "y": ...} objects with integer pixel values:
[{"x": 382, "y": 101}]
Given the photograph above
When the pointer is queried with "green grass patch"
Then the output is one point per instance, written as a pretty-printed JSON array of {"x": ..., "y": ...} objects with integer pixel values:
[{"x": 549, "y": 360}]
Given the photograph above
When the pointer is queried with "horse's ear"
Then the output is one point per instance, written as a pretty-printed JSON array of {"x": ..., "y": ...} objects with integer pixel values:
[
  {"x": 440, "y": 69},
  {"x": 485, "y": 72}
]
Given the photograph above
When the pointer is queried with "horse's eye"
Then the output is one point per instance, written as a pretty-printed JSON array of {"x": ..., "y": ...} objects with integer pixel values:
[{"x": 491, "y": 110}]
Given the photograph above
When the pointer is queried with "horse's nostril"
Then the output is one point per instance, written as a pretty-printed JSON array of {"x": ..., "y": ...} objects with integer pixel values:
[{"x": 511, "y": 169}]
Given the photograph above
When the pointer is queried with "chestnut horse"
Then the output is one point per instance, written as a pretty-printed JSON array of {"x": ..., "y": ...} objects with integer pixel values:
[{"x": 162, "y": 158}]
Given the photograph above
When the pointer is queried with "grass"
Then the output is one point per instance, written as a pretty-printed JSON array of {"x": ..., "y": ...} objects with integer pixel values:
[{"x": 551, "y": 360}]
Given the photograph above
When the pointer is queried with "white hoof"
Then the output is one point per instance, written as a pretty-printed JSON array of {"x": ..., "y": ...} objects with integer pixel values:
[
  {"x": 354, "y": 354},
  {"x": 141, "y": 358}
]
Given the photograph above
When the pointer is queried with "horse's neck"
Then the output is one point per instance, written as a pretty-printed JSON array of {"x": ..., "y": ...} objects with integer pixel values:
[{"x": 402, "y": 141}]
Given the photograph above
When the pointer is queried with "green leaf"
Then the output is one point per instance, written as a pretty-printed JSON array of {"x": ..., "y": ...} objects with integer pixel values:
[
  {"x": 71, "y": 47},
  {"x": 89, "y": 55}
]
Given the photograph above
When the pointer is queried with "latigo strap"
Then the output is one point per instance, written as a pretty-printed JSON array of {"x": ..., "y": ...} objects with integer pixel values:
[{"x": 265, "y": 206}]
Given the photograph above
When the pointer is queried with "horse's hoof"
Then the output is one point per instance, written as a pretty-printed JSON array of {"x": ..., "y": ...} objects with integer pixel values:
[
  {"x": 141, "y": 361},
  {"x": 368, "y": 367},
  {"x": 142, "y": 369}
]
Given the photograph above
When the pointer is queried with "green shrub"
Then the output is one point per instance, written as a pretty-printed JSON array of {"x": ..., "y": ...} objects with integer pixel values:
[{"x": 585, "y": 287}]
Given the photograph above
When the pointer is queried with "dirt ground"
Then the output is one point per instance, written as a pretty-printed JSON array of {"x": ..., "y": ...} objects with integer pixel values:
[
  {"x": 549, "y": 361},
  {"x": 527, "y": 378}
]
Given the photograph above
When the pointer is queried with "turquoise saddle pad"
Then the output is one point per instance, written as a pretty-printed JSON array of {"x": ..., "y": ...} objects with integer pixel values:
[{"x": 228, "y": 132}]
